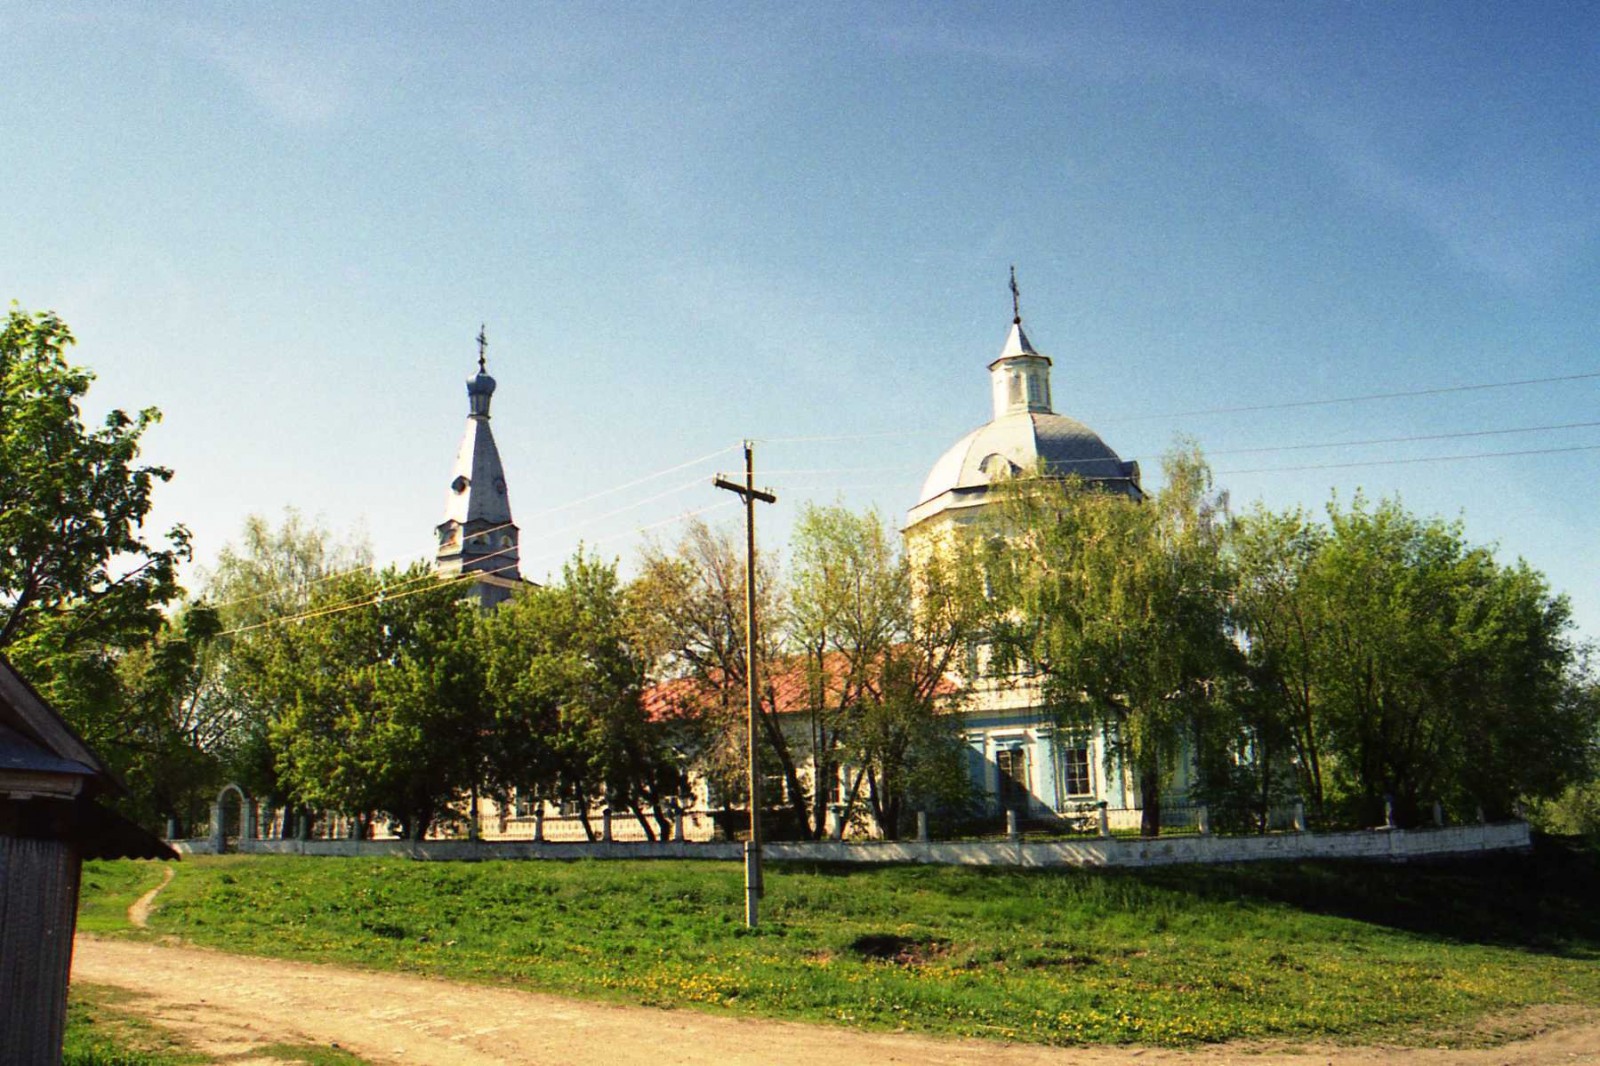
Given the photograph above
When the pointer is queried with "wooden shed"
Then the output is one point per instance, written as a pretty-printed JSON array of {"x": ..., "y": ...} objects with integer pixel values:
[{"x": 49, "y": 823}]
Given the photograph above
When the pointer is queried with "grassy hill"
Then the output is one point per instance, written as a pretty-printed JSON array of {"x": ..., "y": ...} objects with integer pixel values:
[{"x": 1172, "y": 956}]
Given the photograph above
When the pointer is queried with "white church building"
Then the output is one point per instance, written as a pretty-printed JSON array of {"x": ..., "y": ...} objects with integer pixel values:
[{"x": 1017, "y": 755}]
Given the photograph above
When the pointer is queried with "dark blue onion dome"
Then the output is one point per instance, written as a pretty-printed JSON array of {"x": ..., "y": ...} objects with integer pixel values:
[{"x": 479, "y": 388}]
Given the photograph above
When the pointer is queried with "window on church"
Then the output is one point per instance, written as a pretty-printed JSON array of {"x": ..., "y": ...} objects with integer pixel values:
[
  {"x": 524, "y": 803},
  {"x": 1075, "y": 769},
  {"x": 1016, "y": 390}
]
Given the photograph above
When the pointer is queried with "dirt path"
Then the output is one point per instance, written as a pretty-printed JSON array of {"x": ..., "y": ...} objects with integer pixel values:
[
  {"x": 230, "y": 1005},
  {"x": 139, "y": 913}
]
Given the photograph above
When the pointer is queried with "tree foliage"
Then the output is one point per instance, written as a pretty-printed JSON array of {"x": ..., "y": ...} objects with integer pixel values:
[
  {"x": 1119, "y": 606},
  {"x": 1407, "y": 665},
  {"x": 689, "y": 609},
  {"x": 380, "y": 698},
  {"x": 881, "y": 647},
  {"x": 82, "y": 586},
  {"x": 275, "y": 571},
  {"x": 76, "y": 568},
  {"x": 567, "y": 678}
]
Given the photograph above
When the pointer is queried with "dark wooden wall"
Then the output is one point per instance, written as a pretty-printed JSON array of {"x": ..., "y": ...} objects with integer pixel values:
[{"x": 38, "y": 909}]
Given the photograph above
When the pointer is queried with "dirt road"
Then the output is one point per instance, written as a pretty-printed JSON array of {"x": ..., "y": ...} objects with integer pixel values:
[{"x": 230, "y": 1004}]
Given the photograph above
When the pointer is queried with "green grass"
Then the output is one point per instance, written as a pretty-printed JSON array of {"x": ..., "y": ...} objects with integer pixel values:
[
  {"x": 104, "y": 1028},
  {"x": 1172, "y": 956},
  {"x": 109, "y": 889}
]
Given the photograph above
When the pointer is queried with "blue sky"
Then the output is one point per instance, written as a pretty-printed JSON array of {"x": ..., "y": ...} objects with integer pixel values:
[{"x": 690, "y": 224}]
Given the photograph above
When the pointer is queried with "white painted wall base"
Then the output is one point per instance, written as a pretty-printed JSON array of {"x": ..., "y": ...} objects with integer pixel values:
[{"x": 1390, "y": 845}]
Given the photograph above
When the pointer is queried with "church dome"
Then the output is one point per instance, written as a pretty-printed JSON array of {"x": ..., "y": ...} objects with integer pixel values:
[
  {"x": 1052, "y": 444},
  {"x": 1025, "y": 436}
]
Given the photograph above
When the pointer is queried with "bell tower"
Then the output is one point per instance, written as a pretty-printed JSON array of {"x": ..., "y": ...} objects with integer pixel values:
[{"x": 477, "y": 535}]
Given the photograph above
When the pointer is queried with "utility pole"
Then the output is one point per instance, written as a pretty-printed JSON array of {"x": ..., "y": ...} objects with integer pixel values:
[{"x": 752, "y": 847}]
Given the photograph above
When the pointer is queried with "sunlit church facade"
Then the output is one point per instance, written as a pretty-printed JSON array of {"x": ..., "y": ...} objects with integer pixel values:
[{"x": 1018, "y": 756}]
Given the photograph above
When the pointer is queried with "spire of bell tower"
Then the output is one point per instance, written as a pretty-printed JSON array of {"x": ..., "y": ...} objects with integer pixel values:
[{"x": 477, "y": 534}]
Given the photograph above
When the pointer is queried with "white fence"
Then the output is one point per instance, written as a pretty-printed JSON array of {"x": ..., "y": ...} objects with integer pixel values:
[{"x": 1390, "y": 845}]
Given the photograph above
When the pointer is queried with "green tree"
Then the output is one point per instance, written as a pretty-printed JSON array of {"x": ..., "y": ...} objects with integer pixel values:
[
  {"x": 1442, "y": 673},
  {"x": 567, "y": 679},
  {"x": 381, "y": 696},
  {"x": 82, "y": 586},
  {"x": 690, "y": 615},
  {"x": 273, "y": 572},
  {"x": 1279, "y": 627},
  {"x": 1120, "y": 607},
  {"x": 76, "y": 569},
  {"x": 158, "y": 729},
  {"x": 1409, "y": 666},
  {"x": 879, "y": 647}
]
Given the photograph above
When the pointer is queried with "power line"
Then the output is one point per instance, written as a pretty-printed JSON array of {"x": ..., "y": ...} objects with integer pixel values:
[
  {"x": 305, "y": 585},
  {"x": 547, "y": 534},
  {"x": 1198, "y": 412},
  {"x": 419, "y": 579},
  {"x": 1405, "y": 462},
  {"x": 1408, "y": 440},
  {"x": 382, "y": 596},
  {"x": 1439, "y": 391},
  {"x": 636, "y": 481},
  {"x": 387, "y": 594},
  {"x": 644, "y": 528}
]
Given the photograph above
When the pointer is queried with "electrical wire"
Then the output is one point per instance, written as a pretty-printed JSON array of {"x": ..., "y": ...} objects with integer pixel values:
[
  {"x": 635, "y": 482},
  {"x": 1199, "y": 412},
  {"x": 1408, "y": 440},
  {"x": 383, "y": 592},
  {"x": 1297, "y": 404},
  {"x": 1406, "y": 462},
  {"x": 382, "y": 596},
  {"x": 645, "y": 528},
  {"x": 388, "y": 595},
  {"x": 305, "y": 585}
]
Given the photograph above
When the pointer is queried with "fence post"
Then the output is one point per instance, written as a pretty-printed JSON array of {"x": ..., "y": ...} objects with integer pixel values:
[
  {"x": 1105, "y": 820},
  {"x": 1203, "y": 817},
  {"x": 219, "y": 837},
  {"x": 1012, "y": 831},
  {"x": 605, "y": 825},
  {"x": 835, "y": 821},
  {"x": 1438, "y": 813},
  {"x": 922, "y": 827},
  {"x": 172, "y": 828},
  {"x": 1388, "y": 811},
  {"x": 1299, "y": 816},
  {"x": 677, "y": 826},
  {"x": 1482, "y": 820},
  {"x": 538, "y": 824}
]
